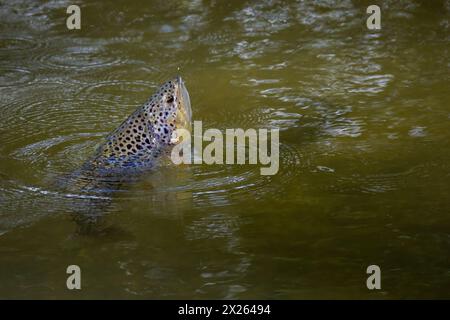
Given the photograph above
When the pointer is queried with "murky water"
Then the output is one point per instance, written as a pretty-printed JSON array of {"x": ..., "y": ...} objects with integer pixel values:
[{"x": 364, "y": 174}]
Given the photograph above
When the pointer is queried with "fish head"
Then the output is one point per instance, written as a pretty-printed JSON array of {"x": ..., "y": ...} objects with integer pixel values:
[
  {"x": 172, "y": 105},
  {"x": 184, "y": 112},
  {"x": 151, "y": 128},
  {"x": 170, "y": 110}
]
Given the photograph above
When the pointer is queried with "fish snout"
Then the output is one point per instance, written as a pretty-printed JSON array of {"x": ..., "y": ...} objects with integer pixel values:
[{"x": 185, "y": 111}]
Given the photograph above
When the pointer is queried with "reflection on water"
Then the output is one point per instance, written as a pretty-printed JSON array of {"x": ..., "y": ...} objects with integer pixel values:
[{"x": 363, "y": 176}]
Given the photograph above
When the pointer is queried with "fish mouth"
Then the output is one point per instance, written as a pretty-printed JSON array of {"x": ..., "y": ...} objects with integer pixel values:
[{"x": 185, "y": 112}]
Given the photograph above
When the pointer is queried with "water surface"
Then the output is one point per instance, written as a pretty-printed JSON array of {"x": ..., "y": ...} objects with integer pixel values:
[{"x": 364, "y": 174}]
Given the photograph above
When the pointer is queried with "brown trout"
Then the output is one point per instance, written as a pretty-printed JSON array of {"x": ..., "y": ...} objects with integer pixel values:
[{"x": 145, "y": 137}]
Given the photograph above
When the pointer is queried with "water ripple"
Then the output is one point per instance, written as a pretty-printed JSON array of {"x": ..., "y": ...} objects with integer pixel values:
[
  {"x": 17, "y": 44},
  {"x": 13, "y": 77},
  {"x": 77, "y": 57}
]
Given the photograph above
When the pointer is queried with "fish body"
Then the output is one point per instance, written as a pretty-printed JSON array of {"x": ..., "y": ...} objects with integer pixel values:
[{"x": 145, "y": 137}]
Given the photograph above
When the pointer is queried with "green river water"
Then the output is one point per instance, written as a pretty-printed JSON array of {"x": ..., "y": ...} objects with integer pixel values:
[{"x": 364, "y": 150}]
